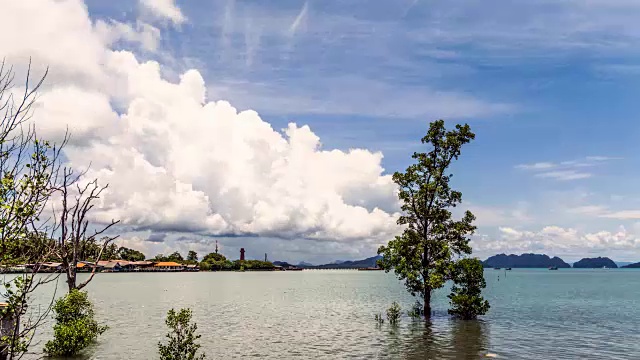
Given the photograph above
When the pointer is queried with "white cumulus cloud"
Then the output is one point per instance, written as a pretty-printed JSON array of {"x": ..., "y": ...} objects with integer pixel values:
[{"x": 177, "y": 161}]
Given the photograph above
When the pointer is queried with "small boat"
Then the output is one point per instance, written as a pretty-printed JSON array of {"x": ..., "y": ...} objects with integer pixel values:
[
  {"x": 293, "y": 268},
  {"x": 370, "y": 269},
  {"x": 508, "y": 269},
  {"x": 496, "y": 268},
  {"x": 553, "y": 268}
]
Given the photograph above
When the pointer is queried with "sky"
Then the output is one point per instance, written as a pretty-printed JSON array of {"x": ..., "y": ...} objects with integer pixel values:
[{"x": 276, "y": 126}]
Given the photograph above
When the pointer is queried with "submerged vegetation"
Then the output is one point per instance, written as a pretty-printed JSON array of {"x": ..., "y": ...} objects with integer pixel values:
[
  {"x": 393, "y": 313},
  {"x": 182, "y": 338},
  {"x": 466, "y": 293},
  {"x": 417, "y": 310},
  {"x": 76, "y": 326}
]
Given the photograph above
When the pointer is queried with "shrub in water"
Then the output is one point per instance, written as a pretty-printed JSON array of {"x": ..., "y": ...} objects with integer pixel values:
[
  {"x": 466, "y": 294},
  {"x": 393, "y": 313},
  {"x": 379, "y": 319},
  {"x": 76, "y": 327},
  {"x": 417, "y": 311},
  {"x": 182, "y": 337}
]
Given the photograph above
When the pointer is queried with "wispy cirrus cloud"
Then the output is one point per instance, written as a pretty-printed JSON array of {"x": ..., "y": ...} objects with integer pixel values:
[
  {"x": 164, "y": 9},
  {"x": 566, "y": 170},
  {"x": 537, "y": 166},
  {"x": 564, "y": 175}
]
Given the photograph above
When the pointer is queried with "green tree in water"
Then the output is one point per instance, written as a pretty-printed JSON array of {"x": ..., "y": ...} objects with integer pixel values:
[
  {"x": 432, "y": 240},
  {"x": 76, "y": 327},
  {"x": 466, "y": 294},
  {"x": 182, "y": 338}
]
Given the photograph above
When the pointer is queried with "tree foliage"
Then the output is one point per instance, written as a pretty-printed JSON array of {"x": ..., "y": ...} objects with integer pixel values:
[
  {"x": 192, "y": 256},
  {"x": 130, "y": 254},
  {"x": 29, "y": 167},
  {"x": 76, "y": 327},
  {"x": 175, "y": 257},
  {"x": 432, "y": 239},
  {"x": 466, "y": 294},
  {"x": 182, "y": 338},
  {"x": 252, "y": 265},
  {"x": 215, "y": 262},
  {"x": 214, "y": 257}
]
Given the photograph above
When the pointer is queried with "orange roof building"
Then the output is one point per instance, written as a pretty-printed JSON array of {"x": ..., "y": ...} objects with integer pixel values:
[{"x": 167, "y": 264}]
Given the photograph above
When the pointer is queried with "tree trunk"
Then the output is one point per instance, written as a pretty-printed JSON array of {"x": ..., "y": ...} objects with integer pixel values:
[
  {"x": 71, "y": 278},
  {"x": 427, "y": 303}
]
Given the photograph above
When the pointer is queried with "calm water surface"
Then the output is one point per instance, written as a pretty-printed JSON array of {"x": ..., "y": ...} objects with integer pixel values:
[{"x": 535, "y": 314}]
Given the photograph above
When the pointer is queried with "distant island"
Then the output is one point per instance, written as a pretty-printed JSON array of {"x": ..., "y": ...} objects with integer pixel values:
[
  {"x": 355, "y": 264},
  {"x": 632, "y": 266},
  {"x": 524, "y": 261},
  {"x": 595, "y": 263}
]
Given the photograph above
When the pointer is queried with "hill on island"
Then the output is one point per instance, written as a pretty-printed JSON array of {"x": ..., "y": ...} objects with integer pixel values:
[
  {"x": 364, "y": 263},
  {"x": 632, "y": 266},
  {"x": 283, "y": 264},
  {"x": 354, "y": 264},
  {"x": 595, "y": 263},
  {"x": 524, "y": 261}
]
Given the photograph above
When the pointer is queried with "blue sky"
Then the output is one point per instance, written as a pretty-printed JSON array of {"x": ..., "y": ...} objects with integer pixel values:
[
  {"x": 548, "y": 81},
  {"x": 549, "y": 87}
]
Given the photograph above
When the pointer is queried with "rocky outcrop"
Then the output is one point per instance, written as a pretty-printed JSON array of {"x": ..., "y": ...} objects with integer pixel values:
[
  {"x": 595, "y": 263},
  {"x": 632, "y": 266},
  {"x": 525, "y": 261}
]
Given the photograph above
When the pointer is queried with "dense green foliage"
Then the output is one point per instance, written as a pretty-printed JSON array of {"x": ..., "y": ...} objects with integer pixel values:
[
  {"x": 211, "y": 257},
  {"x": 431, "y": 241},
  {"x": 33, "y": 247},
  {"x": 417, "y": 310},
  {"x": 76, "y": 327},
  {"x": 192, "y": 256},
  {"x": 252, "y": 265},
  {"x": 466, "y": 294},
  {"x": 215, "y": 262},
  {"x": 130, "y": 254},
  {"x": 181, "y": 344},
  {"x": 175, "y": 257},
  {"x": 218, "y": 262},
  {"x": 26, "y": 173}
]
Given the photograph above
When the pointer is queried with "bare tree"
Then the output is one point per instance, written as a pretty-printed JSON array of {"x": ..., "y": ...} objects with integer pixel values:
[
  {"x": 73, "y": 224},
  {"x": 29, "y": 169},
  {"x": 24, "y": 319}
]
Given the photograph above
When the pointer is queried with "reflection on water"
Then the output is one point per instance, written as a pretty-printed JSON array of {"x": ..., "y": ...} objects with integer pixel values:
[{"x": 438, "y": 339}]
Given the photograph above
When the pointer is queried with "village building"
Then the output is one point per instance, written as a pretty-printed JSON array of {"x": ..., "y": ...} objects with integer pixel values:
[{"x": 168, "y": 266}]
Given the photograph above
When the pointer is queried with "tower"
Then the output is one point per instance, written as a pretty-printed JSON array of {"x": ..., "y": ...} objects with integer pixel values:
[
  {"x": 265, "y": 257},
  {"x": 241, "y": 254},
  {"x": 216, "y": 246}
]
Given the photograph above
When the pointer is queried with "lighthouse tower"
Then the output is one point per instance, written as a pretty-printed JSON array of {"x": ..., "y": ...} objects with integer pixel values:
[{"x": 241, "y": 254}]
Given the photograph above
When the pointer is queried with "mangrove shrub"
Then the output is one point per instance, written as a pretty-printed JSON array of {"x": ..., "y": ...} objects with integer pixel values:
[
  {"x": 432, "y": 240},
  {"x": 466, "y": 293},
  {"x": 76, "y": 327},
  {"x": 182, "y": 338}
]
